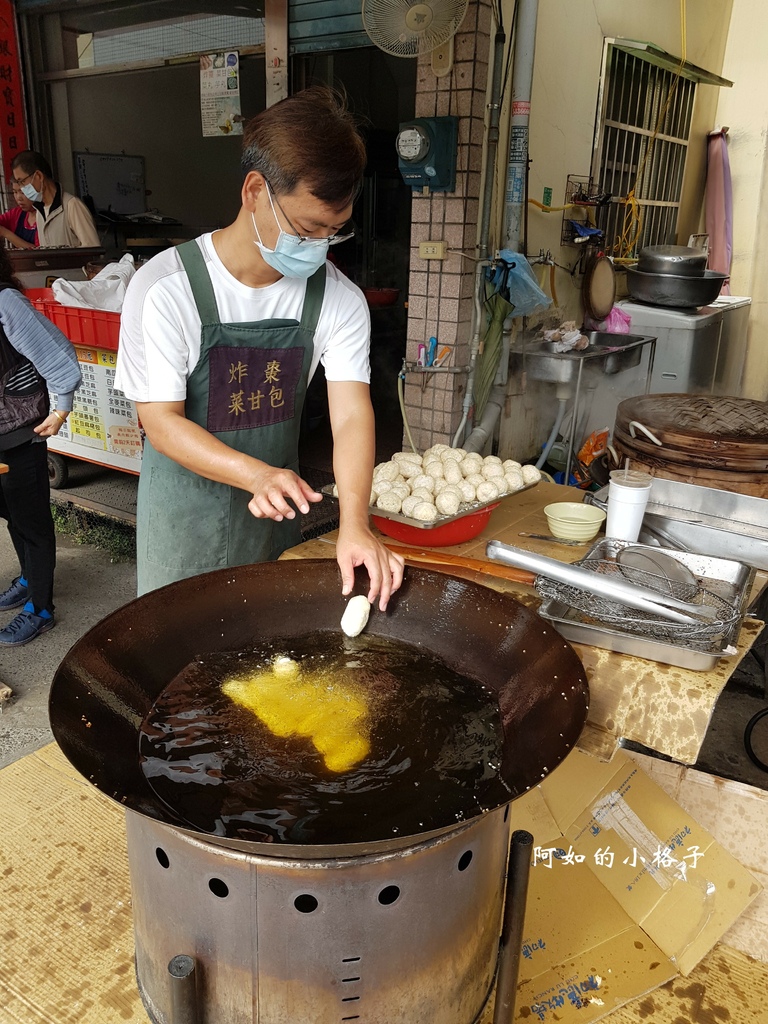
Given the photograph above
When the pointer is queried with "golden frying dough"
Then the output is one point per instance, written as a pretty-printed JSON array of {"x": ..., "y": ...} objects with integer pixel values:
[{"x": 333, "y": 714}]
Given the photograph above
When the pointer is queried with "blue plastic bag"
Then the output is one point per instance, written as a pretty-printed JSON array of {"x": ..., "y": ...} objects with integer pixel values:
[{"x": 512, "y": 275}]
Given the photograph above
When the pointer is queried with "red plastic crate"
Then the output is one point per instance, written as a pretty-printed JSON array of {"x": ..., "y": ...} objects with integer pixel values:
[{"x": 96, "y": 327}]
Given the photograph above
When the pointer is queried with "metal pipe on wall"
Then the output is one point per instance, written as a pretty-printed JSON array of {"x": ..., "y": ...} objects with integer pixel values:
[
  {"x": 522, "y": 85},
  {"x": 492, "y": 143}
]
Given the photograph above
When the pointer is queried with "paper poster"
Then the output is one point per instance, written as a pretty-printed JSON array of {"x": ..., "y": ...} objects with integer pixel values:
[
  {"x": 102, "y": 418},
  {"x": 220, "y": 93}
]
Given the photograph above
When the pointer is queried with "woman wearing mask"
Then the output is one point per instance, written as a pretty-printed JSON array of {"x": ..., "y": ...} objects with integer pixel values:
[
  {"x": 19, "y": 226},
  {"x": 35, "y": 357}
]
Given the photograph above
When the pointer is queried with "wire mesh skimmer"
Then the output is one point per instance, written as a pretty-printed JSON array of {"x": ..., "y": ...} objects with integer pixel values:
[{"x": 721, "y": 615}]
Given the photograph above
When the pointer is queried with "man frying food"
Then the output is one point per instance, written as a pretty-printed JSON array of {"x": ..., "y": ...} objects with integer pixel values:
[{"x": 219, "y": 339}]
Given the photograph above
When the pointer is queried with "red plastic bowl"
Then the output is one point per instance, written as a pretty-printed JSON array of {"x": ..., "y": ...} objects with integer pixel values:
[{"x": 455, "y": 532}]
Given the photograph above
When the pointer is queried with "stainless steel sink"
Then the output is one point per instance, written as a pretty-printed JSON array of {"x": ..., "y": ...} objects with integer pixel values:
[{"x": 607, "y": 353}]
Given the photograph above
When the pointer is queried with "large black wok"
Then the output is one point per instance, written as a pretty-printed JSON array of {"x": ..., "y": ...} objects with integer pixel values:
[{"x": 111, "y": 677}]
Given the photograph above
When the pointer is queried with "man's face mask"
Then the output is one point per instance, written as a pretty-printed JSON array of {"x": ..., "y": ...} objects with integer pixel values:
[{"x": 293, "y": 255}]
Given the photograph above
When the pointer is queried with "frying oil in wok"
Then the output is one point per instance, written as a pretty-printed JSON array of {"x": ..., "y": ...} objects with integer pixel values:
[{"x": 353, "y": 740}]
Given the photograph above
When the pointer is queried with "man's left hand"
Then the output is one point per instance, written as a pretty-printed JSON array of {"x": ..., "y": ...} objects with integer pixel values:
[{"x": 358, "y": 546}]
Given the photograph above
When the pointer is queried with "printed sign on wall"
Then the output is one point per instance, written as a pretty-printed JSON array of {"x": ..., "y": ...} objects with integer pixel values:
[
  {"x": 13, "y": 131},
  {"x": 220, "y": 94}
]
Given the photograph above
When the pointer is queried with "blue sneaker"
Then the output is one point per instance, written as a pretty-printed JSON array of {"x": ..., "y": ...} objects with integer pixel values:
[
  {"x": 15, "y": 596},
  {"x": 25, "y": 627}
]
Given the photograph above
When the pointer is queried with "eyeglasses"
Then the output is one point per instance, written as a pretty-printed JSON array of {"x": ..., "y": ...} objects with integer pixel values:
[
  {"x": 20, "y": 181},
  {"x": 308, "y": 239}
]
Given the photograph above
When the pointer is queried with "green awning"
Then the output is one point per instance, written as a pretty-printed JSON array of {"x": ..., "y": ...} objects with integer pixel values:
[{"x": 655, "y": 55}]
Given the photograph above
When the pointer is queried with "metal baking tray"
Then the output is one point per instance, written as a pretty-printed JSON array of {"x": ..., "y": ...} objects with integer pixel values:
[
  {"x": 465, "y": 509},
  {"x": 728, "y": 579},
  {"x": 707, "y": 520}
]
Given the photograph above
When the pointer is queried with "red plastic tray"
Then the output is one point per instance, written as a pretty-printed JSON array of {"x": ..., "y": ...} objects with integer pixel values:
[
  {"x": 454, "y": 532},
  {"x": 96, "y": 327}
]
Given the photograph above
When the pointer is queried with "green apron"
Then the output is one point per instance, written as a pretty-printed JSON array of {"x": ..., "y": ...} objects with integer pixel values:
[{"x": 248, "y": 390}]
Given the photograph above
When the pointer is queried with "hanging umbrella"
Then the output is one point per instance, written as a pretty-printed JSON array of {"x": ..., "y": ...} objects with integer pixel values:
[{"x": 497, "y": 308}]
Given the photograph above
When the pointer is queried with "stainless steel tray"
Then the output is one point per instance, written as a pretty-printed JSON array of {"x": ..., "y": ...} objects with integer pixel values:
[
  {"x": 706, "y": 520},
  {"x": 728, "y": 579},
  {"x": 465, "y": 509}
]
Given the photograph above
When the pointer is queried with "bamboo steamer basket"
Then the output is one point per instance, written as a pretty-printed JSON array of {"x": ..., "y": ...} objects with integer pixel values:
[{"x": 708, "y": 440}]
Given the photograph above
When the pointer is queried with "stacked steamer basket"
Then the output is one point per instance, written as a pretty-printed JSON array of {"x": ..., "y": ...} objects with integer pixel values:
[{"x": 711, "y": 441}]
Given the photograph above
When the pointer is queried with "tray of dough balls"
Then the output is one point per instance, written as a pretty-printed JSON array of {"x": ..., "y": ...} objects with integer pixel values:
[{"x": 442, "y": 486}]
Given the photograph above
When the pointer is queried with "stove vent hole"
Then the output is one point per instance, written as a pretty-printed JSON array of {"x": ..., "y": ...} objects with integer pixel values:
[
  {"x": 162, "y": 857},
  {"x": 218, "y": 888},
  {"x": 465, "y": 860},
  {"x": 305, "y": 904},
  {"x": 389, "y": 894}
]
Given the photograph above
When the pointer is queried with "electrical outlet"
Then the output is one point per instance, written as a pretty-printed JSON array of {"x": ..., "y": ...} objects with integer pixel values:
[{"x": 433, "y": 250}]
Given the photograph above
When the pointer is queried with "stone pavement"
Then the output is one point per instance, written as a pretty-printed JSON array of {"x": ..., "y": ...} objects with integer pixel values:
[{"x": 88, "y": 586}]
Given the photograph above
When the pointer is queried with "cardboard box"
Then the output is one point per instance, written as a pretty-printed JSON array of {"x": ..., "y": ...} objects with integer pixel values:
[{"x": 626, "y": 891}]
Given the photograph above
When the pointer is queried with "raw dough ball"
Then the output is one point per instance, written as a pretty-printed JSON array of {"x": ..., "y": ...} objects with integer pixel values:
[
  {"x": 452, "y": 470},
  {"x": 471, "y": 464},
  {"x": 390, "y": 501},
  {"x": 423, "y": 482},
  {"x": 440, "y": 485},
  {"x": 510, "y": 464},
  {"x": 447, "y": 502},
  {"x": 386, "y": 471},
  {"x": 406, "y": 457},
  {"x": 452, "y": 455},
  {"x": 476, "y": 479},
  {"x": 355, "y": 616},
  {"x": 409, "y": 504},
  {"x": 487, "y": 491},
  {"x": 531, "y": 475},
  {"x": 467, "y": 490},
  {"x": 401, "y": 490},
  {"x": 425, "y": 511},
  {"x": 492, "y": 460},
  {"x": 514, "y": 480},
  {"x": 492, "y": 470},
  {"x": 435, "y": 450},
  {"x": 410, "y": 469},
  {"x": 382, "y": 486},
  {"x": 422, "y": 494},
  {"x": 435, "y": 469}
]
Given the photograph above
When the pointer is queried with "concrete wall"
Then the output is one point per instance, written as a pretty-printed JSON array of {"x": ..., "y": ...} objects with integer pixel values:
[
  {"x": 156, "y": 114},
  {"x": 569, "y": 46},
  {"x": 744, "y": 109}
]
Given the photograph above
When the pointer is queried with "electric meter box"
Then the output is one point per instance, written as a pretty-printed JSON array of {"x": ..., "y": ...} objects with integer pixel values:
[{"x": 426, "y": 153}]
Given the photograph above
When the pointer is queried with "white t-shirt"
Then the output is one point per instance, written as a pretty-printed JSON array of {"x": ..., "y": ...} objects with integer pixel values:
[{"x": 160, "y": 327}]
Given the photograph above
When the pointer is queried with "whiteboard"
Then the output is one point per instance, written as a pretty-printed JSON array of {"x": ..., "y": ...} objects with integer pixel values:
[{"x": 114, "y": 181}]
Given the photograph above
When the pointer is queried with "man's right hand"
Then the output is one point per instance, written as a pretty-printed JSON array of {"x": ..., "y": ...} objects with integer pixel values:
[{"x": 271, "y": 487}]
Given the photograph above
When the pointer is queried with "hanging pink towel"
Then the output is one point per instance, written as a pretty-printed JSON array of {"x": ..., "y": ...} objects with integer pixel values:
[{"x": 719, "y": 206}]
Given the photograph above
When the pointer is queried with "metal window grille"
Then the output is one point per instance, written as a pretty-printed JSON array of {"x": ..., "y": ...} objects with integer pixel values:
[{"x": 632, "y": 95}]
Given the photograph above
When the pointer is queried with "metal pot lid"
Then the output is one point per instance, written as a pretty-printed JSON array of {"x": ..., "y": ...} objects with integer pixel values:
[{"x": 598, "y": 289}]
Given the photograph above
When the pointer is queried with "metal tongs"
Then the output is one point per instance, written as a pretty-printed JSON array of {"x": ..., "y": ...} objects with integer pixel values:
[{"x": 653, "y": 602}]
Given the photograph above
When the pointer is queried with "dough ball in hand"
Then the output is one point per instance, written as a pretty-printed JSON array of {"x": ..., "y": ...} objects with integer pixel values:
[{"x": 355, "y": 617}]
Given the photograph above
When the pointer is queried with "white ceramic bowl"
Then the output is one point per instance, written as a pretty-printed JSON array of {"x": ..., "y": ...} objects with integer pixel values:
[{"x": 573, "y": 520}]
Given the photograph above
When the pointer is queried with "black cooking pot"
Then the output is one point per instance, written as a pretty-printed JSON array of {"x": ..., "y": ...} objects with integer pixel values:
[{"x": 111, "y": 677}]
